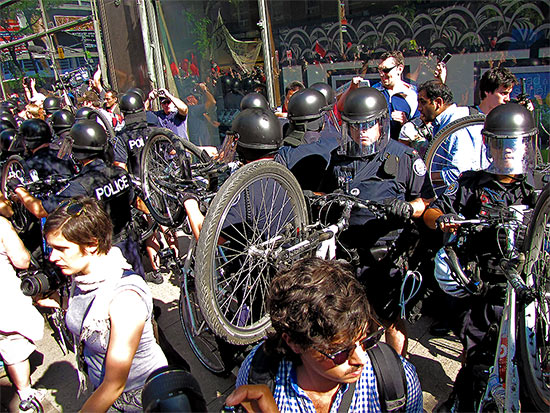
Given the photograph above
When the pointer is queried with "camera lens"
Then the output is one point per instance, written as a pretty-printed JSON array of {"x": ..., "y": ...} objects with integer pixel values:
[{"x": 35, "y": 284}]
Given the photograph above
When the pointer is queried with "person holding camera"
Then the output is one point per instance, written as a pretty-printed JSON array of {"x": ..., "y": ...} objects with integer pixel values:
[
  {"x": 173, "y": 113},
  {"x": 21, "y": 324},
  {"x": 116, "y": 347},
  {"x": 200, "y": 102}
]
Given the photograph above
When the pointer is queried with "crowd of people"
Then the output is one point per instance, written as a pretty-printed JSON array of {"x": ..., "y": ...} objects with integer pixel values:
[{"x": 327, "y": 315}]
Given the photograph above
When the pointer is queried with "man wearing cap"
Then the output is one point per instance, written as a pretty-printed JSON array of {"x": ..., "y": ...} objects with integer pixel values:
[
  {"x": 173, "y": 113},
  {"x": 198, "y": 110}
]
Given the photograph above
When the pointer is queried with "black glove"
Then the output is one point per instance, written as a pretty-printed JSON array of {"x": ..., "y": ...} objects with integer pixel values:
[
  {"x": 445, "y": 219},
  {"x": 13, "y": 183},
  {"x": 399, "y": 208}
]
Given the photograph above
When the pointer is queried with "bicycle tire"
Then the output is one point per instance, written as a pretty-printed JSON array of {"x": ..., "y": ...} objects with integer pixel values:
[
  {"x": 534, "y": 324},
  {"x": 234, "y": 260},
  {"x": 15, "y": 167},
  {"x": 201, "y": 339},
  {"x": 435, "y": 157},
  {"x": 162, "y": 162}
]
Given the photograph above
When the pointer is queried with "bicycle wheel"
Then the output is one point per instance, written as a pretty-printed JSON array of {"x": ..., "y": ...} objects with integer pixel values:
[
  {"x": 15, "y": 167},
  {"x": 259, "y": 209},
  {"x": 438, "y": 154},
  {"x": 163, "y": 161},
  {"x": 534, "y": 318},
  {"x": 203, "y": 342}
]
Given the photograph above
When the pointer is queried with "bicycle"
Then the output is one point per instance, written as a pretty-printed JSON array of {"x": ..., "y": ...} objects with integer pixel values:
[
  {"x": 518, "y": 377},
  {"x": 258, "y": 224}
]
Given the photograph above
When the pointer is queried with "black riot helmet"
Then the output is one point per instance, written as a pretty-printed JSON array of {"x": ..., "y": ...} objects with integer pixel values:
[
  {"x": 249, "y": 84},
  {"x": 89, "y": 139},
  {"x": 5, "y": 125},
  {"x": 257, "y": 133},
  {"x": 61, "y": 120},
  {"x": 9, "y": 105},
  {"x": 85, "y": 112},
  {"x": 226, "y": 82},
  {"x": 326, "y": 90},
  {"x": 366, "y": 125},
  {"x": 306, "y": 107},
  {"x": 7, "y": 116},
  {"x": 10, "y": 143},
  {"x": 236, "y": 85},
  {"x": 508, "y": 135},
  {"x": 254, "y": 100},
  {"x": 51, "y": 104},
  {"x": 35, "y": 132},
  {"x": 138, "y": 91},
  {"x": 131, "y": 102}
]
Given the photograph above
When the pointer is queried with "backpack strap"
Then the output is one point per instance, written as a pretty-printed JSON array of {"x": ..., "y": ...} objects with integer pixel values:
[
  {"x": 347, "y": 398},
  {"x": 263, "y": 368},
  {"x": 392, "y": 388}
]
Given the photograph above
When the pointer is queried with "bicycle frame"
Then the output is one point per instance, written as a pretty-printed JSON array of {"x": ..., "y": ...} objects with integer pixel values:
[{"x": 503, "y": 386}]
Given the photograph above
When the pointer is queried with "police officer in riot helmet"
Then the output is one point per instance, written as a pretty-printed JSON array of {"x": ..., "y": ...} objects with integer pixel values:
[
  {"x": 132, "y": 137},
  {"x": 10, "y": 143},
  {"x": 51, "y": 104},
  {"x": 505, "y": 185},
  {"x": 258, "y": 134},
  {"x": 7, "y": 116},
  {"x": 508, "y": 137},
  {"x": 331, "y": 117},
  {"x": 152, "y": 119},
  {"x": 85, "y": 112},
  {"x": 42, "y": 160},
  {"x": 62, "y": 120},
  {"x": 255, "y": 134},
  {"x": 110, "y": 185},
  {"x": 327, "y": 92},
  {"x": 370, "y": 166},
  {"x": 254, "y": 100},
  {"x": 306, "y": 110}
]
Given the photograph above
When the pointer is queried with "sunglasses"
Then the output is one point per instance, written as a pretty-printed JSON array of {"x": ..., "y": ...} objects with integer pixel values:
[
  {"x": 386, "y": 70},
  {"x": 340, "y": 357},
  {"x": 73, "y": 208}
]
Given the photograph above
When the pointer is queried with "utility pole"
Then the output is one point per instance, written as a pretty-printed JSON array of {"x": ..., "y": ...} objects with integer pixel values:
[
  {"x": 49, "y": 42},
  {"x": 267, "y": 44}
]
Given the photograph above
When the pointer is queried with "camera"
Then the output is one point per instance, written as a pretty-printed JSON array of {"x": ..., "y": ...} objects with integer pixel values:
[
  {"x": 73, "y": 79},
  {"x": 41, "y": 280},
  {"x": 161, "y": 93}
]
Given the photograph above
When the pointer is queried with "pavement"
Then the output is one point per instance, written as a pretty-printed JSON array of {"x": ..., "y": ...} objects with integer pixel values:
[{"x": 437, "y": 360}]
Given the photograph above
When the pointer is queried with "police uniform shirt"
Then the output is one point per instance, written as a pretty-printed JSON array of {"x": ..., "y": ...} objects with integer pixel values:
[
  {"x": 110, "y": 185},
  {"x": 479, "y": 193},
  {"x": 308, "y": 161},
  {"x": 396, "y": 173},
  {"x": 44, "y": 162},
  {"x": 129, "y": 143}
]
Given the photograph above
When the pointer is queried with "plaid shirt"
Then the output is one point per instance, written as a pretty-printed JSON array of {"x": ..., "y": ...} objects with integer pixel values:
[{"x": 291, "y": 398}]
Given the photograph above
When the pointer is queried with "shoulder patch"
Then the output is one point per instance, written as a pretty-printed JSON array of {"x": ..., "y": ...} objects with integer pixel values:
[
  {"x": 419, "y": 167},
  {"x": 451, "y": 189}
]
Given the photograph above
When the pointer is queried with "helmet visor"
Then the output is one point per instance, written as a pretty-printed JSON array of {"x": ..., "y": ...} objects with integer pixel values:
[
  {"x": 365, "y": 138},
  {"x": 510, "y": 156}
]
